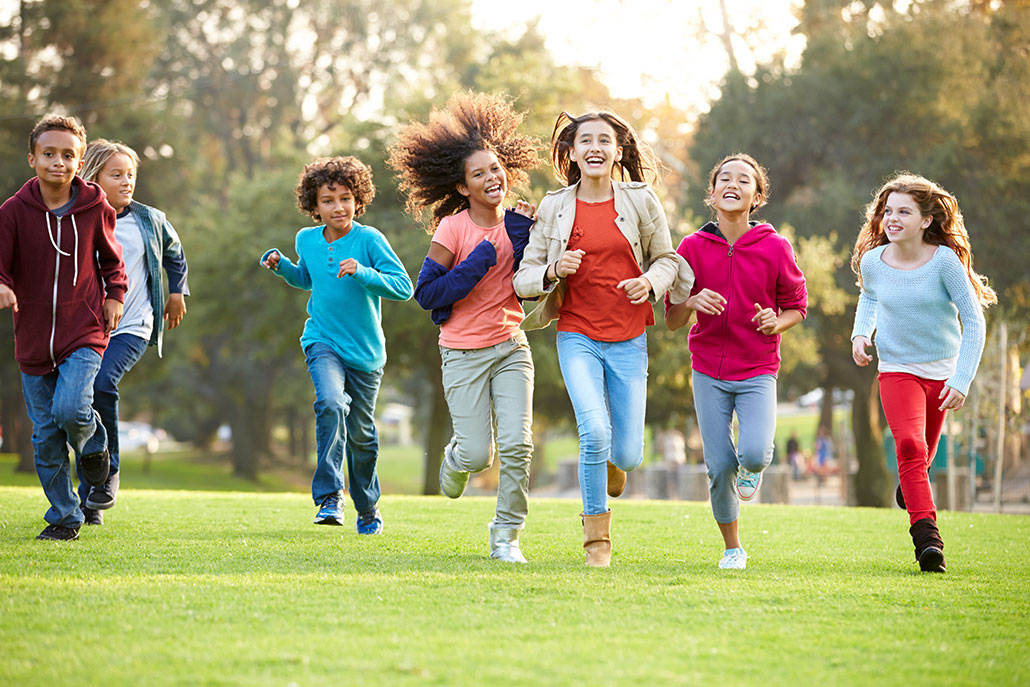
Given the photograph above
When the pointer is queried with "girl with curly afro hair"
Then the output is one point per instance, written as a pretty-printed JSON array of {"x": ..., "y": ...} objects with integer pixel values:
[
  {"x": 457, "y": 166},
  {"x": 348, "y": 267},
  {"x": 599, "y": 252}
]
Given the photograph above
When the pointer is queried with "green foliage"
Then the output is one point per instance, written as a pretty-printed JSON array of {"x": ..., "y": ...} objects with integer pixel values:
[{"x": 241, "y": 589}]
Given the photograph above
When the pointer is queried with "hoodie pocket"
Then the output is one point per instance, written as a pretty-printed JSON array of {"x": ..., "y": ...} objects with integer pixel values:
[{"x": 75, "y": 319}]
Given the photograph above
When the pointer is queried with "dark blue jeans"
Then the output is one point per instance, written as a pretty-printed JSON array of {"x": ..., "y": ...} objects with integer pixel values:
[
  {"x": 345, "y": 402},
  {"x": 123, "y": 351},
  {"x": 59, "y": 404}
]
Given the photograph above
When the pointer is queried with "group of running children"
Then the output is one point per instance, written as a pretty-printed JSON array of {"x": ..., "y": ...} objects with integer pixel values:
[{"x": 81, "y": 267}]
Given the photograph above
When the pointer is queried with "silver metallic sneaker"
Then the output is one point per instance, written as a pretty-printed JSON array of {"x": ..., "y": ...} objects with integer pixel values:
[
  {"x": 452, "y": 480},
  {"x": 504, "y": 543}
]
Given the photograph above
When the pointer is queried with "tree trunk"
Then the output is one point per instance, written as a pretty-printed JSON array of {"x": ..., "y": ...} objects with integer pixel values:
[
  {"x": 14, "y": 420},
  {"x": 437, "y": 435},
  {"x": 250, "y": 421},
  {"x": 872, "y": 481},
  {"x": 826, "y": 408}
]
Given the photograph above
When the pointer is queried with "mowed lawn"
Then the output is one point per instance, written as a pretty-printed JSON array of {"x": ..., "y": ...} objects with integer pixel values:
[{"x": 232, "y": 588}]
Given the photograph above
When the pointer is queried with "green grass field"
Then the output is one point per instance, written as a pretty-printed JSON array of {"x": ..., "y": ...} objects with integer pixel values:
[{"x": 229, "y": 588}]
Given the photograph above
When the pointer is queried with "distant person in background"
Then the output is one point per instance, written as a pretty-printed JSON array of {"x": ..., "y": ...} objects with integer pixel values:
[
  {"x": 749, "y": 290},
  {"x": 794, "y": 457},
  {"x": 458, "y": 166},
  {"x": 924, "y": 301},
  {"x": 149, "y": 244},
  {"x": 348, "y": 268},
  {"x": 823, "y": 462}
]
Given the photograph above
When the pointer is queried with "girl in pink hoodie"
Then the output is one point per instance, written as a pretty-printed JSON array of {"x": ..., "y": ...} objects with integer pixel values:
[{"x": 748, "y": 290}]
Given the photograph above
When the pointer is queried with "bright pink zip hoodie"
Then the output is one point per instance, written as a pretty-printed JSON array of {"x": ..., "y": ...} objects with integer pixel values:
[{"x": 759, "y": 268}]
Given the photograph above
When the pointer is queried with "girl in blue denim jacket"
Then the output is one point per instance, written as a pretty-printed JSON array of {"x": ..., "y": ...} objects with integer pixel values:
[{"x": 149, "y": 243}]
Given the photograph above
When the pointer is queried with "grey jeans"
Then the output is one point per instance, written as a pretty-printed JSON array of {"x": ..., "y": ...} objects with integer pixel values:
[{"x": 490, "y": 395}]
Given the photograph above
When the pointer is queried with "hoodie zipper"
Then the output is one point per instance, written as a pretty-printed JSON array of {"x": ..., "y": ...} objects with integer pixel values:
[
  {"x": 53, "y": 311},
  {"x": 726, "y": 314}
]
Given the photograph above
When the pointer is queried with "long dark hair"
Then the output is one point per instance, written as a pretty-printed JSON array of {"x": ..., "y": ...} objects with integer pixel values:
[{"x": 638, "y": 163}]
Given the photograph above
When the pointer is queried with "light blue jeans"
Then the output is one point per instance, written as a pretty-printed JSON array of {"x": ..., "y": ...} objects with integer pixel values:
[
  {"x": 59, "y": 404},
  {"x": 488, "y": 388},
  {"x": 345, "y": 402},
  {"x": 607, "y": 384},
  {"x": 715, "y": 401}
]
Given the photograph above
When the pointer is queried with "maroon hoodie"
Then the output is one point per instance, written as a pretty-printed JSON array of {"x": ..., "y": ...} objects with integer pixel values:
[
  {"x": 61, "y": 269},
  {"x": 760, "y": 268}
]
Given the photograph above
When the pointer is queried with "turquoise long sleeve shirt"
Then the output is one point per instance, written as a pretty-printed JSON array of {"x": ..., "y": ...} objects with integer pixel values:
[{"x": 344, "y": 312}]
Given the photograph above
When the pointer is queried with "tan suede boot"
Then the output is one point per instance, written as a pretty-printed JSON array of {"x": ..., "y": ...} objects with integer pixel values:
[
  {"x": 616, "y": 480},
  {"x": 597, "y": 539}
]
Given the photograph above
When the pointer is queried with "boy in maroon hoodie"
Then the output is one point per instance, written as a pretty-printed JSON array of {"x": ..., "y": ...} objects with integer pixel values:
[{"x": 61, "y": 273}]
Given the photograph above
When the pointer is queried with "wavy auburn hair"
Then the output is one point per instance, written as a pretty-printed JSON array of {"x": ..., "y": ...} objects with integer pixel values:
[
  {"x": 638, "y": 163},
  {"x": 429, "y": 157},
  {"x": 946, "y": 229}
]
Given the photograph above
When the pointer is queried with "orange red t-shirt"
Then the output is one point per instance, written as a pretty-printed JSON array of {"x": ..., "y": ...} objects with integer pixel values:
[
  {"x": 491, "y": 313},
  {"x": 594, "y": 305}
]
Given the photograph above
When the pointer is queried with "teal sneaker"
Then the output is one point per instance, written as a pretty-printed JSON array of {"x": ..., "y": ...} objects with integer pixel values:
[
  {"x": 733, "y": 559},
  {"x": 747, "y": 484},
  {"x": 331, "y": 511}
]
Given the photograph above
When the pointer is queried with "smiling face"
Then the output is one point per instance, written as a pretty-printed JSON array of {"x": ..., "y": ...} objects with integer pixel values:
[
  {"x": 57, "y": 157},
  {"x": 595, "y": 149},
  {"x": 486, "y": 183},
  {"x": 336, "y": 207},
  {"x": 118, "y": 179},
  {"x": 902, "y": 221},
  {"x": 735, "y": 188}
]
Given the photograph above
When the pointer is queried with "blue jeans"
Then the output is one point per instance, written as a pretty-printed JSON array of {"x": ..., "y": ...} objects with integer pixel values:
[
  {"x": 123, "y": 351},
  {"x": 59, "y": 404},
  {"x": 345, "y": 402},
  {"x": 754, "y": 401},
  {"x": 607, "y": 384}
]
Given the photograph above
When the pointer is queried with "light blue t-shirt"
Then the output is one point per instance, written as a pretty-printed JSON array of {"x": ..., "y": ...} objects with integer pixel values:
[
  {"x": 915, "y": 313},
  {"x": 344, "y": 313},
  {"x": 138, "y": 313}
]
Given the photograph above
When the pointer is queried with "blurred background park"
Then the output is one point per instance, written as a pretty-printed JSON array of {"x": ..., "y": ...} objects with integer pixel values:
[{"x": 226, "y": 100}]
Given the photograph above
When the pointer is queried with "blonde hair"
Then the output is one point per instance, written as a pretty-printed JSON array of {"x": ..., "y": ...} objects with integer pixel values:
[
  {"x": 947, "y": 227},
  {"x": 99, "y": 151}
]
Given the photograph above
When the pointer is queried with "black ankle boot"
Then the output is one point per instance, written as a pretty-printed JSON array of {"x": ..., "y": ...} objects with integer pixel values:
[{"x": 929, "y": 545}]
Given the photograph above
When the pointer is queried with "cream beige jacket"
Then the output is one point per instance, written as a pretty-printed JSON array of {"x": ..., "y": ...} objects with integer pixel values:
[{"x": 640, "y": 218}]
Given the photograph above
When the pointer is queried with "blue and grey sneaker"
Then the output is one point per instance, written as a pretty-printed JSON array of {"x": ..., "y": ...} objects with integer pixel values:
[
  {"x": 747, "y": 484},
  {"x": 370, "y": 522},
  {"x": 331, "y": 511}
]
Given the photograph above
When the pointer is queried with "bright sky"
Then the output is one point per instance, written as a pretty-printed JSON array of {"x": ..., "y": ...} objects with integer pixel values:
[{"x": 653, "y": 48}]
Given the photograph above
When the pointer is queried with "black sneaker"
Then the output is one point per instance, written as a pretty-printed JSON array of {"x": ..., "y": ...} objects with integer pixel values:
[
  {"x": 95, "y": 467},
  {"x": 59, "y": 533},
  {"x": 93, "y": 516},
  {"x": 104, "y": 496},
  {"x": 899, "y": 498}
]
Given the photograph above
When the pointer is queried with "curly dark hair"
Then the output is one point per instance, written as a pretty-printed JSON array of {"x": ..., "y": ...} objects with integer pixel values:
[
  {"x": 429, "y": 158},
  {"x": 56, "y": 122},
  {"x": 346, "y": 171},
  {"x": 638, "y": 163}
]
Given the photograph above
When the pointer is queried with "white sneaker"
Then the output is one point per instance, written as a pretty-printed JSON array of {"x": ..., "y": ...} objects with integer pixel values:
[
  {"x": 747, "y": 484},
  {"x": 452, "y": 480},
  {"x": 733, "y": 559}
]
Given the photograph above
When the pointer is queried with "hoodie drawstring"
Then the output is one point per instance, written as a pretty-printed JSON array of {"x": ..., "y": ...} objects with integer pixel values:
[{"x": 75, "y": 230}]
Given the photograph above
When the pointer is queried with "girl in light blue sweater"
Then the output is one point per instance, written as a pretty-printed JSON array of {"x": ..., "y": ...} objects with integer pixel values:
[{"x": 915, "y": 267}]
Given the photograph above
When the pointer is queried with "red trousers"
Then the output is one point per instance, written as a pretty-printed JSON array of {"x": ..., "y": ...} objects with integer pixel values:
[{"x": 912, "y": 407}]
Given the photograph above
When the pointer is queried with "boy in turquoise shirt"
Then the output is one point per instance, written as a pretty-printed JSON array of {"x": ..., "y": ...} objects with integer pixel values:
[{"x": 348, "y": 267}]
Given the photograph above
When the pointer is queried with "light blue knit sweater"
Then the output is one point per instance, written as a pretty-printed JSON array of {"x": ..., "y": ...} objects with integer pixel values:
[{"x": 915, "y": 313}]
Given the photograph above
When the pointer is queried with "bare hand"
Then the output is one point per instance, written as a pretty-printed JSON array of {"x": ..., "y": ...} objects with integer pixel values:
[
  {"x": 858, "y": 354},
  {"x": 766, "y": 320},
  {"x": 348, "y": 266},
  {"x": 175, "y": 308},
  {"x": 112, "y": 315},
  {"x": 638, "y": 289},
  {"x": 707, "y": 301},
  {"x": 568, "y": 263},
  {"x": 7, "y": 298},
  {"x": 953, "y": 399},
  {"x": 526, "y": 209},
  {"x": 272, "y": 261}
]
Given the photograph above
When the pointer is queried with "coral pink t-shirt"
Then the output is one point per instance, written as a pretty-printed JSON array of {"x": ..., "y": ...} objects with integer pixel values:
[{"x": 491, "y": 313}]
